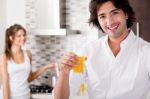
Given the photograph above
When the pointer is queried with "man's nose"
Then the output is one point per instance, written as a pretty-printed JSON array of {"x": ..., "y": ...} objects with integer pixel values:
[{"x": 110, "y": 20}]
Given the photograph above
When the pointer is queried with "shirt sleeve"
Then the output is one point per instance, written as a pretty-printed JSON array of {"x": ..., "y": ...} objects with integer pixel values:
[{"x": 147, "y": 54}]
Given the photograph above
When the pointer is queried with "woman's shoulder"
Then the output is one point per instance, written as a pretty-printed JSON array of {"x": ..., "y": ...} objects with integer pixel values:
[
  {"x": 3, "y": 56},
  {"x": 28, "y": 52}
]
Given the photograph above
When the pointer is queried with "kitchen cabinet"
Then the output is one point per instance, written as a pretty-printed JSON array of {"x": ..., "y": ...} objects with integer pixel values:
[
  {"x": 2, "y": 25},
  {"x": 42, "y": 96},
  {"x": 50, "y": 96},
  {"x": 15, "y": 12},
  {"x": 141, "y": 8},
  {"x": 11, "y": 12}
]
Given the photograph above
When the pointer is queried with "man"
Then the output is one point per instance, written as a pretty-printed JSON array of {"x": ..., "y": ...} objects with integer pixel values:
[{"x": 117, "y": 65}]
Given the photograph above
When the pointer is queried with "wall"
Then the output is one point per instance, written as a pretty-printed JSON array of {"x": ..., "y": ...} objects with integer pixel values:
[
  {"x": 2, "y": 23},
  {"x": 45, "y": 49}
]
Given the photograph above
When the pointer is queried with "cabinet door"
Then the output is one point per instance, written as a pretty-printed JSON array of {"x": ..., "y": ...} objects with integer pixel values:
[{"x": 142, "y": 11}]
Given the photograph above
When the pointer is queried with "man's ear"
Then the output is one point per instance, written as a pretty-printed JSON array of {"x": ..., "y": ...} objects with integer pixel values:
[{"x": 126, "y": 16}]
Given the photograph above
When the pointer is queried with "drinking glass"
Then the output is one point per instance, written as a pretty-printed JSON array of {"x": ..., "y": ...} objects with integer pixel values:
[{"x": 80, "y": 67}]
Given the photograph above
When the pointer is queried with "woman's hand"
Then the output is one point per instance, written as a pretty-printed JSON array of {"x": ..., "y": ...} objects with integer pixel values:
[{"x": 50, "y": 66}]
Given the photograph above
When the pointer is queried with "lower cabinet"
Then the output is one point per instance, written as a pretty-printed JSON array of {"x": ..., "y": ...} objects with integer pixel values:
[{"x": 42, "y": 96}]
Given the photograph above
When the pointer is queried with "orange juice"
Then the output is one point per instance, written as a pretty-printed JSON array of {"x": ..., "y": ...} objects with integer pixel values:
[
  {"x": 80, "y": 67},
  {"x": 82, "y": 88}
]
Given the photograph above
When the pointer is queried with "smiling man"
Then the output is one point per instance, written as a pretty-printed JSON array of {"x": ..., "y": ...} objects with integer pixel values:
[
  {"x": 113, "y": 21},
  {"x": 117, "y": 65}
]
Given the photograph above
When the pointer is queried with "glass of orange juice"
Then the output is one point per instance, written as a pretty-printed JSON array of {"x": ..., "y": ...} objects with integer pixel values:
[{"x": 80, "y": 67}]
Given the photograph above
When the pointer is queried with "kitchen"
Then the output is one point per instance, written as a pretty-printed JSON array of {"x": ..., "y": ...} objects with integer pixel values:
[
  {"x": 49, "y": 33},
  {"x": 53, "y": 27}
]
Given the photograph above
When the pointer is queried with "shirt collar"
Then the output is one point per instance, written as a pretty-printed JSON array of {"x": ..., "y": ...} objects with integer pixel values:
[{"x": 128, "y": 39}]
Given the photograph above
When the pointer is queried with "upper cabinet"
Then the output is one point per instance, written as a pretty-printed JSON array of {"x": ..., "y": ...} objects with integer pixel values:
[
  {"x": 2, "y": 25},
  {"x": 141, "y": 8},
  {"x": 11, "y": 12},
  {"x": 15, "y": 12}
]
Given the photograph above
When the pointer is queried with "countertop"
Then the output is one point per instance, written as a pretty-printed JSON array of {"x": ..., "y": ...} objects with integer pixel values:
[{"x": 50, "y": 96}]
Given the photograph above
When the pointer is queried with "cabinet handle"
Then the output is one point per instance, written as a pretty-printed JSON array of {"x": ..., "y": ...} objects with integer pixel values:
[{"x": 137, "y": 29}]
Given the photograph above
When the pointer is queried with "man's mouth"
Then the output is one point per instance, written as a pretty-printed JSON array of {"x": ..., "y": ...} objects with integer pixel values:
[{"x": 113, "y": 28}]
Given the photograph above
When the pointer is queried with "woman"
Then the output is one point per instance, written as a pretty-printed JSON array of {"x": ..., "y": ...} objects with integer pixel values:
[{"x": 15, "y": 66}]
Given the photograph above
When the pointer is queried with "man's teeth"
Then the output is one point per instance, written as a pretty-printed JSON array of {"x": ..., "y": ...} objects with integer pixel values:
[{"x": 114, "y": 27}]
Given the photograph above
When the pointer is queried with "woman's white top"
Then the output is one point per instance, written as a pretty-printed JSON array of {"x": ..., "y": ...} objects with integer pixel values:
[
  {"x": 18, "y": 75},
  {"x": 126, "y": 76}
]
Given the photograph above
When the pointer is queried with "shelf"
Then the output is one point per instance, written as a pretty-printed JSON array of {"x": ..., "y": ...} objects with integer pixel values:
[
  {"x": 53, "y": 32},
  {"x": 48, "y": 32}
]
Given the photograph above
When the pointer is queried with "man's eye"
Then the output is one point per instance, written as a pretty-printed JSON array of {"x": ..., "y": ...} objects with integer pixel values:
[
  {"x": 116, "y": 12},
  {"x": 101, "y": 17}
]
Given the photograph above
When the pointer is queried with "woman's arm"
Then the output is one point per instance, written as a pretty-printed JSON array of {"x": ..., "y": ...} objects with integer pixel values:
[
  {"x": 4, "y": 76},
  {"x": 34, "y": 75}
]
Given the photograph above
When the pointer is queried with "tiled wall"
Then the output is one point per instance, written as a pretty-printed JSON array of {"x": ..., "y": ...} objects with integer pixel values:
[{"x": 45, "y": 49}]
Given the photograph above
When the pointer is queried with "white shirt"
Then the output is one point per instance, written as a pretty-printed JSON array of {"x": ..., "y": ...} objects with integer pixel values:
[
  {"x": 18, "y": 75},
  {"x": 125, "y": 76}
]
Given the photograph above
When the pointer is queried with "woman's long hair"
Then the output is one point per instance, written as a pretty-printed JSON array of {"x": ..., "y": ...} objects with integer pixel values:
[{"x": 10, "y": 32}]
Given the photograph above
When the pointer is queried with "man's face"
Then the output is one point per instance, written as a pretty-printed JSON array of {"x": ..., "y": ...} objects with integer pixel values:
[{"x": 112, "y": 20}]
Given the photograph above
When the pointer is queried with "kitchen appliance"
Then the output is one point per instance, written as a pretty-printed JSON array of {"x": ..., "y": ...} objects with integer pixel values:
[{"x": 37, "y": 89}]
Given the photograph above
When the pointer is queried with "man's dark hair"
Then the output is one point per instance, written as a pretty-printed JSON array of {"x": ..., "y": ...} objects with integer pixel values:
[{"x": 120, "y": 4}]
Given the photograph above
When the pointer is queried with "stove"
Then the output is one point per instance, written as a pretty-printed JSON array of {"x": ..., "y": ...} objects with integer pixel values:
[{"x": 36, "y": 89}]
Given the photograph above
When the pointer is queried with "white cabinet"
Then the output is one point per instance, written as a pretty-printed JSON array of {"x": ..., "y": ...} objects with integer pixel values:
[
  {"x": 42, "y": 96},
  {"x": 2, "y": 24},
  {"x": 15, "y": 12},
  {"x": 11, "y": 12}
]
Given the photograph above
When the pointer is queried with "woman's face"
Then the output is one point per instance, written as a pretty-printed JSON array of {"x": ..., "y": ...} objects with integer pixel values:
[{"x": 19, "y": 38}]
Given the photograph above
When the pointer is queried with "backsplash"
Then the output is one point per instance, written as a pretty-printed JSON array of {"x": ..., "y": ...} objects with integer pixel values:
[{"x": 45, "y": 49}]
